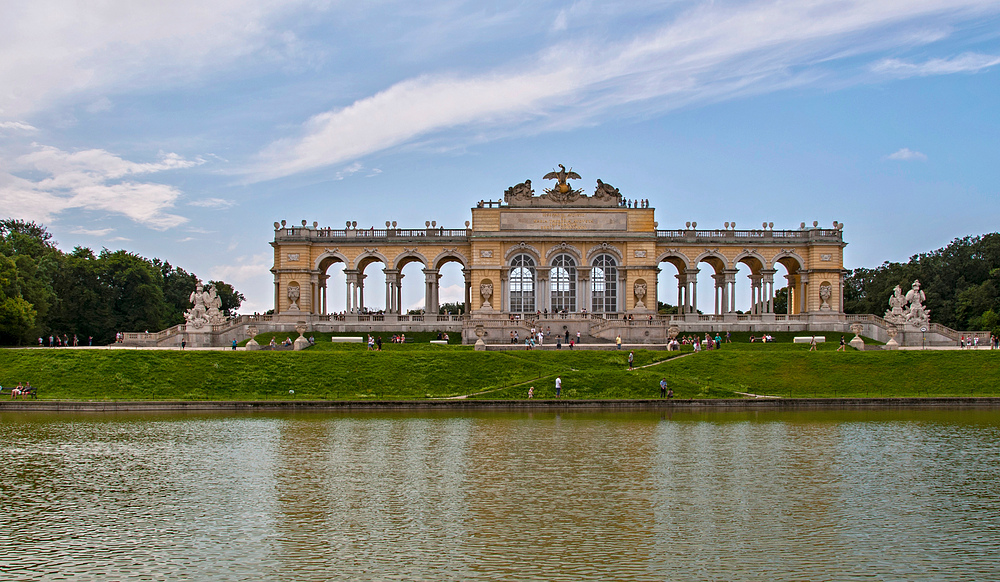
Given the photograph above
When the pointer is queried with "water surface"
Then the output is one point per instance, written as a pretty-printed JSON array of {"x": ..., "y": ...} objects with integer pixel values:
[{"x": 829, "y": 495}]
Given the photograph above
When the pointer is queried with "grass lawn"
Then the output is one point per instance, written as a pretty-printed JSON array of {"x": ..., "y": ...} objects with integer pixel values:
[{"x": 421, "y": 370}]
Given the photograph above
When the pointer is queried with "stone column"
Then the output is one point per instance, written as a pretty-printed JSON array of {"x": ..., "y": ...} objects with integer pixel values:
[
  {"x": 804, "y": 284},
  {"x": 351, "y": 275},
  {"x": 543, "y": 298},
  {"x": 391, "y": 275},
  {"x": 398, "y": 293},
  {"x": 768, "y": 281},
  {"x": 361, "y": 291},
  {"x": 277, "y": 290},
  {"x": 756, "y": 294},
  {"x": 503, "y": 306},
  {"x": 431, "y": 305},
  {"x": 730, "y": 289},
  {"x": 793, "y": 295},
  {"x": 468, "y": 290},
  {"x": 720, "y": 293},
  {"x": 692, "y": 283},
  {"x": 682, "y": 296},
  {"x": 625, "y": 292},
  {"x": 583, "y": 290}
]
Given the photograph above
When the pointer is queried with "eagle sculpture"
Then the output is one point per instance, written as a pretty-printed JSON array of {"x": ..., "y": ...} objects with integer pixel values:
[{"x": 561, "y": 176}]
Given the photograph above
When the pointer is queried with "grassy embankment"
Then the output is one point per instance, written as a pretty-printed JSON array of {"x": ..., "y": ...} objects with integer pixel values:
[{"x": 418, "y": 370}]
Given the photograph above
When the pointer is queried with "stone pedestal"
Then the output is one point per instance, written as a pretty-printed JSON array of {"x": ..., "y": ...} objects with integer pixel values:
[
  {"x": 858, "y": 343},
  {"x": 480, "y": 345},
  {"x": 300, "y": 342}
]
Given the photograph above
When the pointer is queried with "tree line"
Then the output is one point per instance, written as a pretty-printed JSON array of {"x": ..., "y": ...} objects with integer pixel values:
[
  {"x": 961, "y": 281},
  {"x": 45, "y": 291}
]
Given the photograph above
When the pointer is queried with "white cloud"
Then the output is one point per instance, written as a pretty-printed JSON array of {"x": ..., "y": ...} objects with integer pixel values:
[
  {"x": 213, "y": 203},
  {"x": 906, "y": 154},
  {"x": 374, "y": 172},
  {"x": 963, "y": 63},
  {"x": 92, "y": 180},
  {"x": 349, "y": 170},
  {"x": 51, "y": 50},
  {"x": 17, "y": 126},
  {"x": 246, "y": 268},
  {"x": 712, "y": 52},
  {"x": 100, "y": 232}
]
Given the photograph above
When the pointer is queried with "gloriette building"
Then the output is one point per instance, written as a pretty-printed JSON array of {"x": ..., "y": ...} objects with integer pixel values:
[{"x": 587, "y": 260}]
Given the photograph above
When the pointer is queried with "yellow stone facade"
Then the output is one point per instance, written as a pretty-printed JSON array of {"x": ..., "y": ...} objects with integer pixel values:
[{"x": 626, "y": 239}]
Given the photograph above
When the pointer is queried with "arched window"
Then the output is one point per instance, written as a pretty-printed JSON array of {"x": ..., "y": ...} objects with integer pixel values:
[
  {"x": 522, "y": 284},
  {"x": 562, "y": 276},
  {"x": 604, "y": 284}
]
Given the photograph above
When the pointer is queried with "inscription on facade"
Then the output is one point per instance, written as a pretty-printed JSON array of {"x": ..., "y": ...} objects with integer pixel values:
[{"x": 563, "y": 221}]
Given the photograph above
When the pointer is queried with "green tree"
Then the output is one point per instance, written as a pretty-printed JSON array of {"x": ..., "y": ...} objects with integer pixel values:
[
  {"x": 17, "y": 316},
  {"x": 136, "y": 291}
]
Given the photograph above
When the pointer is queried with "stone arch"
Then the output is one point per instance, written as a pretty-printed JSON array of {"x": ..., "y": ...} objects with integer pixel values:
[
  {"x": 406, "y": 257},
  {"x": 563, "y": 248},
  {"x": 714, "y": 258},
  {"x": 789, "y": 259},
  {"x": 605, "y": 248},
  {"x": 451, "y": 255},
  {"x": 524, "y": 248},
  {"x": 368, "y": 257},
  {"x": 328, "y": 258},
  {"x": 793, "y": 264},
  {"x": 666, "y": 280},
  {"x": 752, "y": 259},
  {"x": 675, "y": 258}
]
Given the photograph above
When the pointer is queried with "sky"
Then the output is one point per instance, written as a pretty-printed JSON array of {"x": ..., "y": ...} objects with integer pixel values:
[{"x": 183, "y": 130}]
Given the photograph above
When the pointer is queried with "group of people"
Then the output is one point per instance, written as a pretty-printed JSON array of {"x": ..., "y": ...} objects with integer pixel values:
[
  {"x": 972, "y": 342},
  {"x": 766, "y": 338},
  {"x": 641, "y": 203},
  {"x": 25, "y": 390},
  {"x": 55, "y": 341}
]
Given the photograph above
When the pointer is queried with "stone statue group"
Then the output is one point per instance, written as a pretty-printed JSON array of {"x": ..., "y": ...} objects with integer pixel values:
[
  {"x": 206, "y": 310},
  {"x": 908, "y": 308}
]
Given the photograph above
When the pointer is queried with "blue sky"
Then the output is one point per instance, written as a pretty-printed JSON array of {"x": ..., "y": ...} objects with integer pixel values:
[{"x": 183, "y": 130}]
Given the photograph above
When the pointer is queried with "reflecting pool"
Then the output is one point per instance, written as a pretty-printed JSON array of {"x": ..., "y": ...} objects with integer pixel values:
[{"x": 641, "y": 495}]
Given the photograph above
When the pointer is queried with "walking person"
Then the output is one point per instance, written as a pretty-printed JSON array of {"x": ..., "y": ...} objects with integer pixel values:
[
  {"x": 558, "y": 386},
  {"x": 631, "y": 357},
  {"x": 812, "y": 344},
  {"x": 843, "y": 346},
  {"x": 663, "y": 387},
  {"x": 618, "y": 341},
  {"x": 531, "y": 392}
]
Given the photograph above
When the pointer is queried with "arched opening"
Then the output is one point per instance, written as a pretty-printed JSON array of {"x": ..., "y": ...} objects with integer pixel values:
[
  {"x": 332, "y": 289},
  {"x": 750, "y": 289},
  {"x": 522, "y": 284},
  {"x": 720, "y": 280},
  {"x": 452, "y": 292},
  {"x": 788, "y": 298},
  {"x": 410, "y": 280},
  {"x": 371, "y": 286},
  {"x": 604, "y": 284},
  {"x": 562, "y": 284},
  {"x": 671, "y": 287}
]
